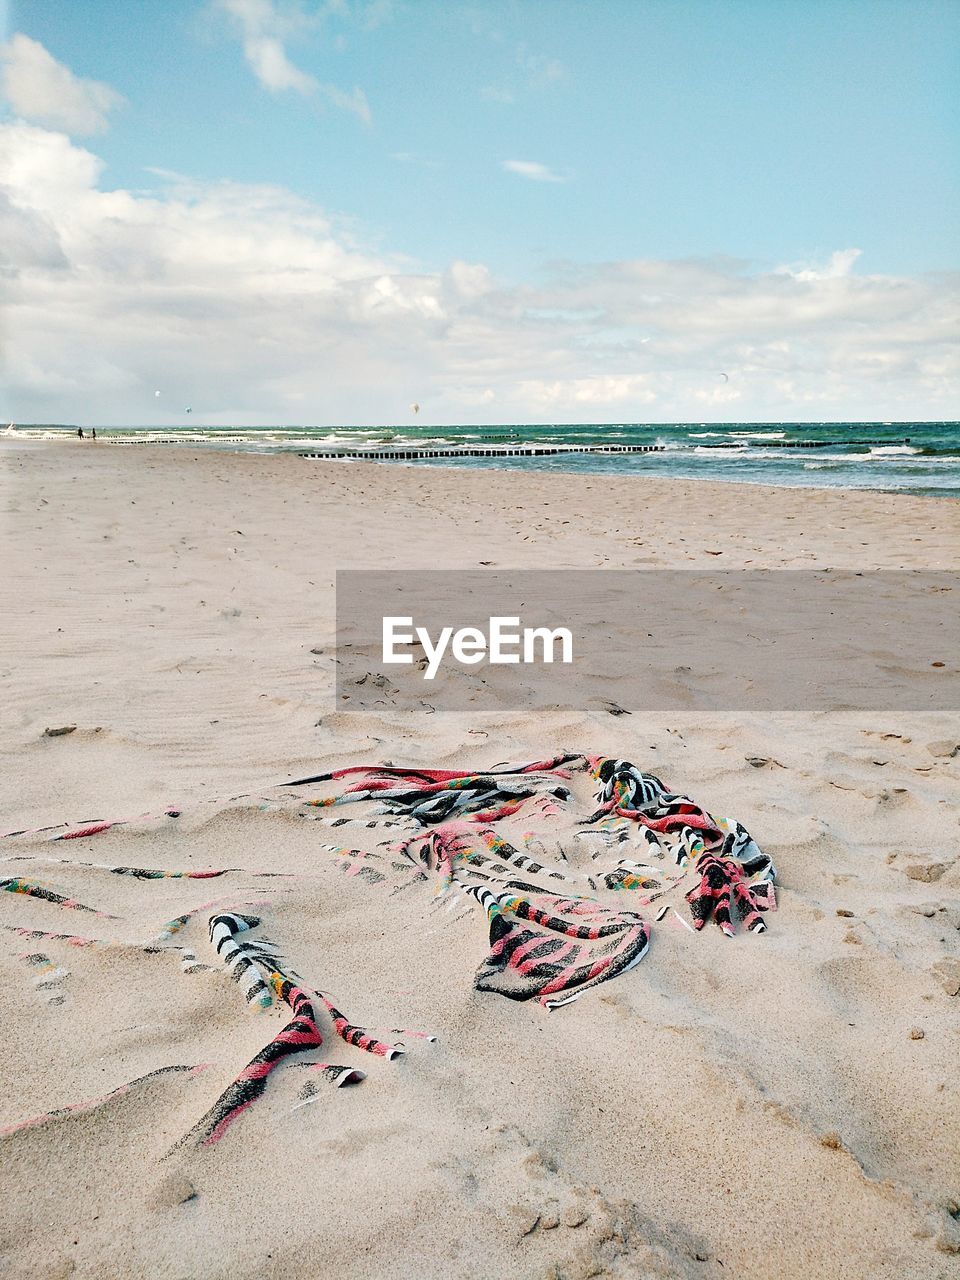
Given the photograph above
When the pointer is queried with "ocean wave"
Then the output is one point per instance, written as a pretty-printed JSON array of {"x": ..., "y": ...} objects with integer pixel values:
[
  {"x": 729, "y": 451},
  {"x": 908, "y": 460}
]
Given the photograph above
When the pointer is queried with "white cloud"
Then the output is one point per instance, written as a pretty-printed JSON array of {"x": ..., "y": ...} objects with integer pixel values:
[
  {"x": 40, "y": 88},
  {"x": 539, "y": 69},
  {"x": 263, "y": 29},
  {"x": 247, "y": 303},
  {"x": 376, "y": 14},
  {"x": 498, "y": 93},
  {"x": 354, "y": 101},
  {"x": 269, "y": 63},
  {"x": 537, "y": 73},
  {"x": 841, "y": 264},
  {"x": 470, "y": 279},
  {"x": 411, "y": 157},
  {"x": 533, "y": 170}
]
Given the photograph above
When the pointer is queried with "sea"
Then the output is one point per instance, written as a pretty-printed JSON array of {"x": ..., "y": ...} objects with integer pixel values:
[{"x": 892, "y": 457}]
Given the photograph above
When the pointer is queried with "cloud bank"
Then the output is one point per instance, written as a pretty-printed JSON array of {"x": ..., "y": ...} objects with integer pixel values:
[{"x": 249, "y": 304}]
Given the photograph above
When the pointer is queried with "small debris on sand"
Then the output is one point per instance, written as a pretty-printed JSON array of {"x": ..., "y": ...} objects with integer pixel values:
[
  {"x": 926, "y": 871},
  {"x": 614, "y": 708},
  {"x": 947, "y": 973},
  {"x": 173, "y": 1190}
]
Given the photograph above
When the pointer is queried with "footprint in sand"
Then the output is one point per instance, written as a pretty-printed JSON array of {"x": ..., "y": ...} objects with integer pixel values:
[{"x": 567, "y": 1231}]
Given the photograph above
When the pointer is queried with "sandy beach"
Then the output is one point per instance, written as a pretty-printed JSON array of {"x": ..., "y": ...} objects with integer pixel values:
[{"x": 778, "y": 1104}]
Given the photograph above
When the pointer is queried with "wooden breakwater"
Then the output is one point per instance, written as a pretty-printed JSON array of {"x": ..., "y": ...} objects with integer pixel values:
[
  {"x": 482, "y": 451},
  {"x": 545, "y": 451}
]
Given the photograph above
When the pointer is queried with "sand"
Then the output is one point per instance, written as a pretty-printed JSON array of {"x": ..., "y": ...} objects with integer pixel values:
[{"x": 747, "y": 1107}]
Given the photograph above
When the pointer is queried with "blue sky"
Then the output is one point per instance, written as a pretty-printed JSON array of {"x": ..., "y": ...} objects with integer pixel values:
[
  {"x": 764, "y": 129},
  {"x": 540, "y": 141}
]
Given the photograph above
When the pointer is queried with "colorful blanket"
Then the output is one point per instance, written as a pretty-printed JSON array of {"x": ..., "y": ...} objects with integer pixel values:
[{"x": 558, "y": 923}]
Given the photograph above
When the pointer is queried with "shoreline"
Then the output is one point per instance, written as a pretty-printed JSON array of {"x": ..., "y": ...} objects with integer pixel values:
[
  {"x": 918, "y": 458},
  {"x": 613, "y": 478},
  {"x": 699, "y": 480}
]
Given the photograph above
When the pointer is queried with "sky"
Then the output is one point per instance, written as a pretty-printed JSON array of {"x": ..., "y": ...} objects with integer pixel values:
[{"x": 321, "y": 211}]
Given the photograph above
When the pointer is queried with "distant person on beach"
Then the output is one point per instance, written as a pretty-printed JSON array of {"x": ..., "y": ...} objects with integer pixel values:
[
  {"x": 80, "y": 432},
  {"x": 93, "y": 433}
]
